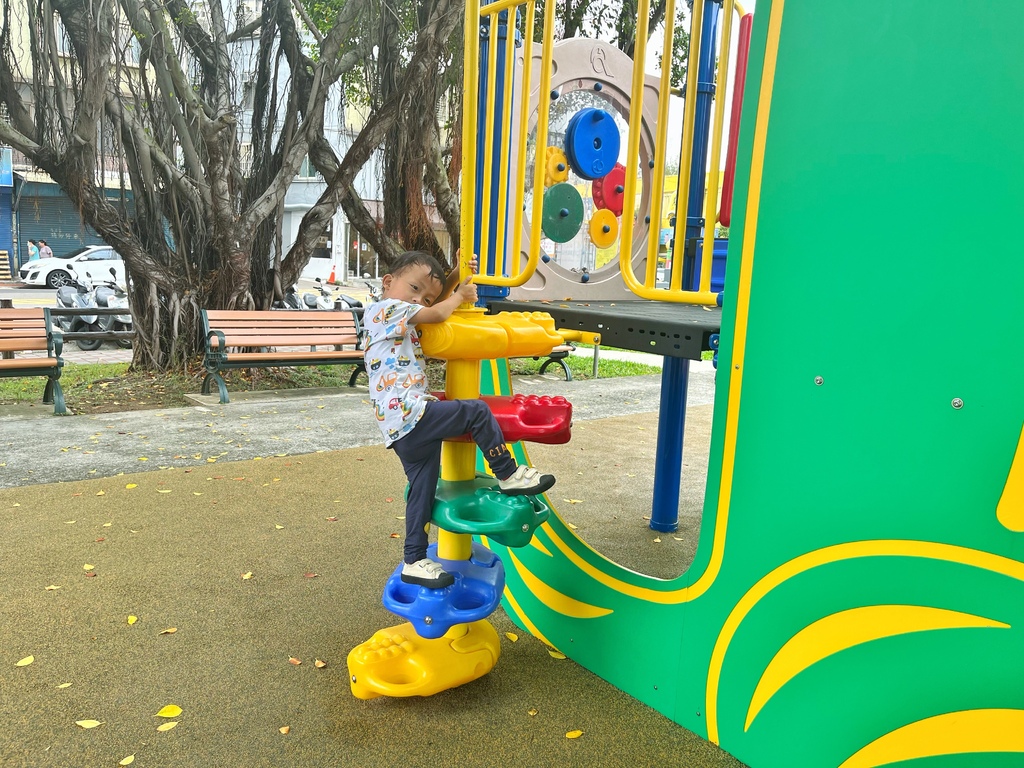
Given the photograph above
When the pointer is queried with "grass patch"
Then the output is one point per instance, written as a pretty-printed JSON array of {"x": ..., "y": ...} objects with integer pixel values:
[
  {"x": 582, "y": 367},
  {"x": 111, "y": 387},
  {"x": 104, "y": 388},
  {"x": 707, "y": 354}
]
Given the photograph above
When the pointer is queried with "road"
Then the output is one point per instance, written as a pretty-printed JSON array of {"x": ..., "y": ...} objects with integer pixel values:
[{"x": 24, "y": 296}]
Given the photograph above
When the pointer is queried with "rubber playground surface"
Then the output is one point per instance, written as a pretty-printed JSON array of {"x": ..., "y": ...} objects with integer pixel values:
[{"x": 202, "y": 586}]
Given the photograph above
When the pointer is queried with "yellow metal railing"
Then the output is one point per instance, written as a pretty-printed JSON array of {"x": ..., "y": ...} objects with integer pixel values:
[
  {"x": 510, "y": 262},
  {"x": 510, "y": 212}
]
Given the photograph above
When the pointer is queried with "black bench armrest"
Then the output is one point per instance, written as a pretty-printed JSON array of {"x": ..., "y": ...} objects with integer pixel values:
[{"x": 54, "y": 335}]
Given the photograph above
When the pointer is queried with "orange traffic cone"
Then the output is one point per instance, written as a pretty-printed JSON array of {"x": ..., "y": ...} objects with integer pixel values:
[{"x": 331, "y": 278}]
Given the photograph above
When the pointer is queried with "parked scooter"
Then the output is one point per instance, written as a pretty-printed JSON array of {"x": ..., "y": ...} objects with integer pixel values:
[
  {"x": 110, "y": 294},
  {"x": 290, "y": 300},
  {"x": 322, "y": 299},
  {"x": 79, "y": 294}
]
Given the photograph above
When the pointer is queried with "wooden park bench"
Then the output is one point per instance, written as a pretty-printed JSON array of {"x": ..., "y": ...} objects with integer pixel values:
[
  {"x": 278, "y": 339},
  {"x": 30, "y": 330}
]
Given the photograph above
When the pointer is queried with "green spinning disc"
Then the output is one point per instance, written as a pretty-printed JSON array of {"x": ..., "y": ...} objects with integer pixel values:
[{"x": 563, "y": 213}]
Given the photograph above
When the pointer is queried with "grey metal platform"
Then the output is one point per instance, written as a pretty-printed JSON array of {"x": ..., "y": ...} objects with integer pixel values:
[{"x": 658, "y": 327}]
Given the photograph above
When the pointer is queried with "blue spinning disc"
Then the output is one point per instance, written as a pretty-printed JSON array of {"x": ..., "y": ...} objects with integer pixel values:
[{"x": 592, "y": 143}]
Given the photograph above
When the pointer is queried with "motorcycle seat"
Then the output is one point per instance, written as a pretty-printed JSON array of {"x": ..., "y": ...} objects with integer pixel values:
[{"x": 103, "y": 294}]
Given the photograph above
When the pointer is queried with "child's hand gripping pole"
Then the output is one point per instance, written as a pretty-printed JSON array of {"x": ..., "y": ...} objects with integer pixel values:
[{"x": 464, "y": 269}]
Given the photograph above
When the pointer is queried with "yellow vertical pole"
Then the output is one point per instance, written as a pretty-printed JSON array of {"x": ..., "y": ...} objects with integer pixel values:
[
  {"x": 501, "y": 254},
  {"x": 492, "y": 89},
  {"x": 686, "y": 151},
  {"x": 633, "y": 150},
  {"x": 518, "y": 202},
  {"x": 458, "y": 460},
  {"x": 543, "y": 118},
  {"x": 660, "y": 142},
  {"x": 470, "y": 75},
  {"x": 711, "y": 196}
]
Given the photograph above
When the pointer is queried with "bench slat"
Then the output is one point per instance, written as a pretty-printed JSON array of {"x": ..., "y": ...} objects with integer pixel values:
[
  {"x": 27, "y": 313},
  {"x": 239, "y": 340},
  {"x": 19, "y": 363},
  {"x": 22, "y": 322},
  {"x": 227, "y": 319},
  {"x": 355, "y": 355},
  {"x": 21, "y": 344}
]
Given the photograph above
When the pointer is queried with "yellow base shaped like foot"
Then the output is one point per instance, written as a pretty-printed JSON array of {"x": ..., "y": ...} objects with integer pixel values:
[{"x": 398, "y": 662}]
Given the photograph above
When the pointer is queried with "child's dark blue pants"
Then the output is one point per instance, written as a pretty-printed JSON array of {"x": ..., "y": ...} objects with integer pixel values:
[{"x": 420, "y": 452}]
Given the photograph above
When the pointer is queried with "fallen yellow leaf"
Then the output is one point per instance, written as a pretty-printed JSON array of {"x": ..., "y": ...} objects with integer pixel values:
[
  {"x": 143, "y": 458},
  {"x": 285, "y": 729},
  {"x": 247, "y": 575},
  {"x": 132, "y": 485},
  {"x": 512, "y": 636},
  {"x": 168, "y": 631},
  {"x": 127, "y": 760},
  {"x": 573, "y": 734},
  {"x": 573, "y": 501},
  {"x": 52, "y": 587},
  {"x": 319, "y": 664},
  {"x": 64, "y": 685},
  {"x": 678, "y": 538},
  {"x": 167, "y": 726},
  {"x": 657, "y": 539},
  {"x": 87, "y": 723},
  {"x": 197, "y": 493},
  {"x": 88, "y": 567},
  {"x": 571, "y": 525},
  {"x": 163, "y": 490},
  {"x": 107, "y": 525},
  {"x": 279, "y": 527},
  {"x": 556, "y": 654},
  {"x": 171, "y": 710},
  {"x": 294, "y": 661},
  {"x": 101, "y": 493},
  {"x": 132, "y": 620},
  {"x": 532, "y": 712},
  {"x": 26, "y": 661}
]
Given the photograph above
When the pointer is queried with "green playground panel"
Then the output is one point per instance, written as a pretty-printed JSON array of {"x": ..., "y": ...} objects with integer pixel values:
[{"x": 886, "y": 261}]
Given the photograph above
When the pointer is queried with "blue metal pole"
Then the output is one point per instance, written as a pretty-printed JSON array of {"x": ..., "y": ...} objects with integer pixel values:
[
  {"x": 669, "y": 461},
  {"x": 675, "y": 376}
]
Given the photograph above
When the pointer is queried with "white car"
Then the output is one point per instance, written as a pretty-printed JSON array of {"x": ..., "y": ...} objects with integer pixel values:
[{"x": 96, "y": 260}]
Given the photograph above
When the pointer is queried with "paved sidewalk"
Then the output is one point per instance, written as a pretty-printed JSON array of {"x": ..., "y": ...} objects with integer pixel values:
[{"x": 260, "y": 424}]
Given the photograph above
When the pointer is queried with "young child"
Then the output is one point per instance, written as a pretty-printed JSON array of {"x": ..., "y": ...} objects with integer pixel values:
[{"x": 414, "y": 423}]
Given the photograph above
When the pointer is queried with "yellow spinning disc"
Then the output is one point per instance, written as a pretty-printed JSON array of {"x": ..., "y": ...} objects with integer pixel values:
[
  {"x": 556, "y": 167},
  {"x": 604, "y": 228}
]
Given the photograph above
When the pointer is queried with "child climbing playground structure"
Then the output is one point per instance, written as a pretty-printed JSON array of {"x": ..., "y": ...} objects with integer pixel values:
[{"x": 857, "y": 596}]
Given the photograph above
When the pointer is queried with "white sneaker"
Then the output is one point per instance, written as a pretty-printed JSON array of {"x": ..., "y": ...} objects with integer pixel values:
[
  {"x": 427, "y": 573},
  {"x": 526, "y": 481}
]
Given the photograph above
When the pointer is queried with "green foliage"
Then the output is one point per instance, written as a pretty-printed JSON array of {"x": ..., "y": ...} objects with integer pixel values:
[
  {"x": 582, "y": 367},
  {"x": 112, "y": 387}
]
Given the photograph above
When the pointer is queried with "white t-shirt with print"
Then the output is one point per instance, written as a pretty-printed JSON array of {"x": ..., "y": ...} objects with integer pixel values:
[{"x": 394, "y": 362}]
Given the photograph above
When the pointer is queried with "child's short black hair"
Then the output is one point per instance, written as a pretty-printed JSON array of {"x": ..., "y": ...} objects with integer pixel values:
[{"x": 419, "y": 258}]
